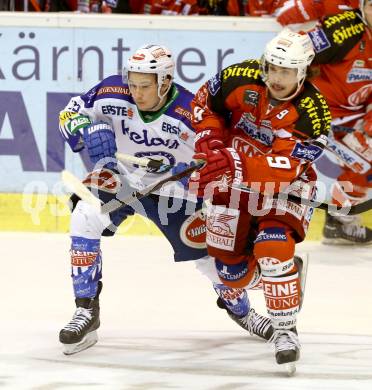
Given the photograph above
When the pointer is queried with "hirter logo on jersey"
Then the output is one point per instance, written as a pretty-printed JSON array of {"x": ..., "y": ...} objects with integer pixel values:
[
  {"x": 307, "y": 152},
  {"x": 319, "y": 39}
]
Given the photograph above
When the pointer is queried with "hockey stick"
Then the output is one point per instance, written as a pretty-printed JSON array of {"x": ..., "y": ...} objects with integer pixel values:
[
  {"x": 351, "y": 210},
  {"x": 76, "y": 186}
]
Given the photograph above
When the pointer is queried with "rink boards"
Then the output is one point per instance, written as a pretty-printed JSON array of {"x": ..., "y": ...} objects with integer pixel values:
[{"x": 25, "y": 212}]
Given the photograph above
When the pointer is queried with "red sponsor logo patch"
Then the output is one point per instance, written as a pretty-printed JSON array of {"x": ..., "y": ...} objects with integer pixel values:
[
  {"x": 82, "y": 259},
  {"x": 138, "y": 57},
  {"x": 193, "y": 231},
  {"x": 104, "y": 180}
]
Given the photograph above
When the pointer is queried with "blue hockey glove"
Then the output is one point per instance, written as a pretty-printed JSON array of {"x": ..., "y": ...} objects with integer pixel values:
[
  {"x": 99, "y": 139},
  {"x": 181, "y": 166},
  {"x": 71, "y": 125}
]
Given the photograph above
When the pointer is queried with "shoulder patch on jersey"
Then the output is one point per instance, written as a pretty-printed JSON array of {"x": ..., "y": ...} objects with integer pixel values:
[
  {"x": 319, "y": 39},
  {"x": 113, "y": 90},
  {"x": 214, "y": 84},
  {"x": 306, "y": 152},
  {"x": 182, "y": 111},
  {"x": 314, "y": 115},
  {"x": 249, "y": 69}
]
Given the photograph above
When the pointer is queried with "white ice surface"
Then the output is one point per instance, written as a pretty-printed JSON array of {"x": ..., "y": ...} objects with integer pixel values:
[{"x": 160, "y": 327}]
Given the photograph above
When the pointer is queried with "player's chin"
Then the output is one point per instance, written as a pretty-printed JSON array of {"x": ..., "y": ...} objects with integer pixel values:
[{"x": 277, "y": 93}]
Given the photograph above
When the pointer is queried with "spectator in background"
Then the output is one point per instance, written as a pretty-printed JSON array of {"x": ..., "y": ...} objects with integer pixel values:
[
  {"x": 187, "y": 7},
  {"x": 261, "y": 7},
  {"x": 302, "y": 11}
]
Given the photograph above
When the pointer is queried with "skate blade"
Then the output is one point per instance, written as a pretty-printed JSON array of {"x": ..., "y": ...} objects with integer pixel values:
[
  {"x": 290, "y": 368},
  {"x": 88, "y": 341},
  {"x": 338, "y": 241}
]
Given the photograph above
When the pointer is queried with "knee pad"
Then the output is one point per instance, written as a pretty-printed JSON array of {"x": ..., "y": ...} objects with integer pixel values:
[
  {"x": 88, "y": 222},
  {"x": 274, "y": 250},
  {"x": 234, "y": 275},
  {"x": 86, "y": 266},
  {"x": 206, "y": 265}
]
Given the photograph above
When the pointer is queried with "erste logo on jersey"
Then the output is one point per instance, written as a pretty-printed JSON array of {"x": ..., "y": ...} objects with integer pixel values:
[
  {"x": 171, "y": 129},
  {"x": 319, "y": 39},
  {"x": 117, "y": 110}
]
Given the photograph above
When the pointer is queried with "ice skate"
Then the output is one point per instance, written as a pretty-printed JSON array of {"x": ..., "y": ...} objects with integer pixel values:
[
  {"x": 80, "y": 333},
  {"x": 345, "y": 231},
  {"x": 253, "y": 322},
  {"x": 287, "y": 348}
]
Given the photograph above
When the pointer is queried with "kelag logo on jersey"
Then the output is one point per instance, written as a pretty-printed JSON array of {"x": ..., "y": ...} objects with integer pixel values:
[
  {"x": 319, "y": 39},
  {"x": 145, "y": 139},
  {"x": 214, "y": 84},
  {"x": 307, "y": 152},
  {"x": 359, "y": 74}
]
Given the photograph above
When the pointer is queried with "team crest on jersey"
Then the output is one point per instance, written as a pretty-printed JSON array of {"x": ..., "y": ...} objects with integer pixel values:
[
  {"x": 193, "y": 230},
  {"x": 251, "y": 97},
  {"x": 165, "y": 157},
  {"x": 319, "y": 39},
  {"x": 214, "y": 84}
]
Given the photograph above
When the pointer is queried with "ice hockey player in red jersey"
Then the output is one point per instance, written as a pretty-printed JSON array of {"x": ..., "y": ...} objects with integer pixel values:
[
  {"x": 343, "y": 47},
  {"x": 256, "y": 124}
]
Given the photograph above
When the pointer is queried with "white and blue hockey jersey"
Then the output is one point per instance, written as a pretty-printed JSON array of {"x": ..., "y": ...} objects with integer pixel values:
[{"x": 165, "y": 135}]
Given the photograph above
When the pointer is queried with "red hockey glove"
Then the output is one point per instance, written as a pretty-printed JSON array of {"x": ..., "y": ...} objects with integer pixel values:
[
  {"x": 222, "y": 167},
  {"x": 294, "y": 11},
  {"x": 207, "y": 140}
]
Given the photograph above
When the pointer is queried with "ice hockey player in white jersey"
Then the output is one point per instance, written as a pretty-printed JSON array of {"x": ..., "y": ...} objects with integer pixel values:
[{"x": 143, "y": 114}]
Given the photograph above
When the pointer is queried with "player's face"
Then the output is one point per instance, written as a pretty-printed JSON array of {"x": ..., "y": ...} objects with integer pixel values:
[
  {"x": 281, "y": 81},
  {"x": 368, "y": 12},
  {"x": 144, "y": 90}
]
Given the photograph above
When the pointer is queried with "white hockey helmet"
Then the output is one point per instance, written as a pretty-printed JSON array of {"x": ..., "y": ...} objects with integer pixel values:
[
  {"x": 154, "y": 59},
  {"x": 289, "y": 50}
]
